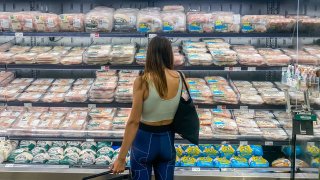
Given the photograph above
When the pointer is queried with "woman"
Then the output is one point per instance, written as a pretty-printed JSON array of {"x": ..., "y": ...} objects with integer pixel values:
[{"x": 156, "y": 95}]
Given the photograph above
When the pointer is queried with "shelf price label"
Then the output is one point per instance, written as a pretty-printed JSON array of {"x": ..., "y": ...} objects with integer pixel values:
[
  {"x": 94, "y": 35},
  {"x": 150, "y": 36},
  {"x": 232, "y": 68},
  {"x": 268, "y": 143},
  {"x": 310, "y": 144},
  {"x": 27, "y": 104},
  {"x": 2, "y": 138},
  {"x": 221, "y": 107},
  {"x": 92, "y": 105},
  {"x": 90, "y": 140},
  {"x": 252, "y": 68},
  {"x": 243, "y": 143},
  {"x": 195, "y": 169},
  {"x": 9, "y": 165},
  {"x": 105, "y": 68},
  {"x": 18, "y": 34},
  {"x": 243, "y": 107}
]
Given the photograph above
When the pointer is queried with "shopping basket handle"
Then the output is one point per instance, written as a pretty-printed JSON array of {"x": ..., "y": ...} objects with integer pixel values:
[{"x": 100, "y": 174}]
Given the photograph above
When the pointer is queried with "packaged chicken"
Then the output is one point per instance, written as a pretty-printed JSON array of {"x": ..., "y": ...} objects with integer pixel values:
[
  {"x": 267, "y": 123},
  {"x": 221, "y": 113},
  {"x": 277, "y": 60},
  {"x": 63, "y": 50},
  {"x": 205, "y": 131},
  {"x": 48, "y": 58},
  {"x": 274, "y": 98},
  {"x": 83, "y": 81},
  {"x": 125, "y": 19},
  {"x": 244, "y": 122},
  {"x": 71, "y": 60},
  {"x": 5, "y": 22},
  {"x": 200, "y": 59},
  {"x": 122, "y": 54},
  {"x": 76, "y": 96},
  {"x": 223, "y": 94},
  {"x": 149, "y": 20},
  {"x": 195, "y": 81},
  {"x": 173, "y": 8},
  {"x": 224, "y": 125},
  {"x": 46, "y": 22},
  {"x": 251, "y": 99},
  {"x": 216, "y": 80},
  {"x": 274, "y": 134},
  {"x": 251, "y": 59},
  {"x": 19, "y": 49},
  {"x": 71, "y": 22},
  {"x": 23, "y": 21},
  {"x": 40, "y": 49},
  {"x": 59, "y": 89},
  {"x": 250, "y": 131},
  {"x": 276, "y": 23},
  {"x": 63, "y": 82},
  {"x": 226, "y": 22},
  {"x": 99, "y": 19},
  {"x": 43, "y": 81},
  {"x": 124, "y": 94},
  {"x": 201, "y": 94},
  {"x": 305, "y": 59},
  {"x": 98, "y": 54},
  {"x": 5, "y": 78},
  {"x": 173, "y": 21},
  {"x": 200, "y": 22},
  {"x": 309, "y": 24},
  {"x": 25, "y": 58},
  {"x": 244, "y": 49},
  {"x": 223, "y": 57},
  {"x": 37, "y": 88},
  {"x": 205, "y": 116},
  {"x": 30, "y": 97}
]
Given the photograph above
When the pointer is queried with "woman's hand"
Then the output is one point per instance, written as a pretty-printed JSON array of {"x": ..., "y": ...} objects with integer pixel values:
[{"x": 118, "y": 166}]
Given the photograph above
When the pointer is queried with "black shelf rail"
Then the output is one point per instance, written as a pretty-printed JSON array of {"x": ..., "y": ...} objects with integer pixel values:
[
  {"x": 137, "y": 67},
  {"x": 128, "y": 105},
  {"x": 144, "y": 35}
]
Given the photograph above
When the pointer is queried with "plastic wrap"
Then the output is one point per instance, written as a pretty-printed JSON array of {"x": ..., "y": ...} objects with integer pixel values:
[
  {"x": 224, "y": 125},
  {"x": 23, "y": 21},
  {"x": 76, "y": 96},
  {"x": 200, "y": 22},
  {"x": 98, "y": 54},
  {"x": 149, "y": 20},
  {"x": 125, "y": 19},
  {"x": 71, "y": 22},
  {"x": 222, "y": 57},
  {"x": 122, "y": 54},
  {"x": 200, "y": 59},
  {"x": 25, "y": 58},
  {"x": 5, "y": 22},
  {"x": 251, "y": 59},
  {"x": 173, "y": 21},
  {"x": 46, "y": 22},
  {"x": 48, "y": 58},
  {"x": 30, "y": 97},
  {"x": 226, "y": 22},
  {"x": 100, "y": 19}
]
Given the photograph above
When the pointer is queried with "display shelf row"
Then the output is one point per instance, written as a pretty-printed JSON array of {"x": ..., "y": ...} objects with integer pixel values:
[
  {"x": 139, "y": 67},
  {"x": 128, "y": 105},
  {"x": 150, "y": 35}
]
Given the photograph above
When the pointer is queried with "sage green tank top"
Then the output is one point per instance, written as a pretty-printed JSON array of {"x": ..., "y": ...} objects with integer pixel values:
[{"x": 156, "y": 109}]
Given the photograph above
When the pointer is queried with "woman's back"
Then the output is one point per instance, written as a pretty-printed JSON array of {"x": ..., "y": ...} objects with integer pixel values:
[{"x": 159, "y": 110}]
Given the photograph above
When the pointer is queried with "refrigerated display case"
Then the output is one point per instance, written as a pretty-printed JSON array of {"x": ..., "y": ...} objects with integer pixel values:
[{"x": 66, "y": 93}]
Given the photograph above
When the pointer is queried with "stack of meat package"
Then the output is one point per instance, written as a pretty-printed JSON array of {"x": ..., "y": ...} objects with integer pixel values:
[
  {"x": 248, "y": 55},
  {"x": 99, "y": 19},
  {"x": 79, "y": 91},
  {"x": 226, "y": 22},
  {"x": 269, "y": 93},
  {"x": 274, "y": 57},
  {"x": 100, "y": 120},
  {"x": 74, "y": 56},
  {"x": 22, "y": 55},
  {"x": 122, "y": 54},
  {"x": 58, "y": 90},
  {"x": 13, "y": 90},
  {"x": 71, "y": 22},
  {"x": 198, "y": 21},
  {"x": 149, "y": 20},
  {"x": 75, "y": 120},
  {"x": 34, "y": 92},
  {"x": 103, "y": 88},
  {"x": 5, "y": 56},
  {"x": 308, "y": 24},
  {"x": 46, "y": 55},
  {"x": 221, "y": 53},
  {"x": 120, "y": 120},
  {"x": 173, "y": 19},
  {"x": 125, "y": 19},
  {"x": 5, "y": 78},
  {"x": 267, "y": 23},
  {"x": 223, "y": 125},
  {"x": 9, "y": 115},
  {"x": 124, "y": 91},
  {"x": 247, "y": 125},
  {"x": 98, "y": 54},
  {"x": 199, "y": 91},
  {"x": 312, "y": 49},
  {"x": 205, "y": 117},
  {"x": 248, "y": 94},
  {"x": 196, "y": 52},
  {"x": 141, "y": 56},
  {"x": 302, "y": 57},
  {"x": 221, "y": 91},
  {"x": 5, "y": 22}
]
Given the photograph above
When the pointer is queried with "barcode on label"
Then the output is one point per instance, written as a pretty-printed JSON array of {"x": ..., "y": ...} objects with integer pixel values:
[
  {"x": 196, "y": 169},
  {"x": 268, "y": 143},
  {"x": 18, "y": 34},
  {"x": 27, "y": 104},
  {"x": 243, "y": 143},
  {"x": 252, "y": 68},
  {"x": 90, "y": 140}
]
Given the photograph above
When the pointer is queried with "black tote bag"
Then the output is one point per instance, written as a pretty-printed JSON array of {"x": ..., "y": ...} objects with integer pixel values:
[{"x": 186, "y": 121}]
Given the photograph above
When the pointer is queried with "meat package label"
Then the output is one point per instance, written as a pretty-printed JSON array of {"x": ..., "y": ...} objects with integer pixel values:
[
  {"x": 144, "y": 27},
  {"x": 167, "y": 27},
  {"x": 195, "y": 26},
  {"x": 247, "y": 27}
]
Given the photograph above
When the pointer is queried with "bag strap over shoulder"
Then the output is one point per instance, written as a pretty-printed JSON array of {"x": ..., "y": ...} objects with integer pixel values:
[{"x": 185, "y": 84}]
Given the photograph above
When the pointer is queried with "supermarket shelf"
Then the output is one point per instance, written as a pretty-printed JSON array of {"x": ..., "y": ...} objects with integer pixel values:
[
  {"x": 143, "y": 35},
  {"x": 138, "y": 67},
  {"x": 127, "y": 105}
]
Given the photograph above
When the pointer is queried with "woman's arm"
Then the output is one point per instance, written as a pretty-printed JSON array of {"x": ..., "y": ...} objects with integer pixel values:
[{"x": 131, "y": 127}]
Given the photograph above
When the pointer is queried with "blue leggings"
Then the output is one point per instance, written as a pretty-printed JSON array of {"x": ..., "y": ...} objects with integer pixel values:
[{"x": 153, "y": 149}]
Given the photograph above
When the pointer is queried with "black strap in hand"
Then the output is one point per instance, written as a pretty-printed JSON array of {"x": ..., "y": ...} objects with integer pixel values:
[{"x": 185, "y": 84}]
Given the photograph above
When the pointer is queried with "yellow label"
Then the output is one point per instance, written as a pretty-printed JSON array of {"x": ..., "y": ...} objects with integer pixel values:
[{"x": 218, "y": 23}]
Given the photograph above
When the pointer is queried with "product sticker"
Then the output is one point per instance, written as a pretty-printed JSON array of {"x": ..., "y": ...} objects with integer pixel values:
[
  {"x": 76, "y": 23},
  {"x": 102, "y": 24},
  {"x": 28, "y": 23},
  {"x": 195, "y": 27},
  {"x": 247, "y": 27},
  {"x": 144, "y": 27},
  {"x": 220, "y": 26},
  {"x": 4, "y": 23},
  {"x": 167, "y": 27}
]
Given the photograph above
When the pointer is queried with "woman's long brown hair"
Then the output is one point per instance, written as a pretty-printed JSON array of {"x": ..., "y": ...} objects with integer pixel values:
[{"x": 159, "y": 57}]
